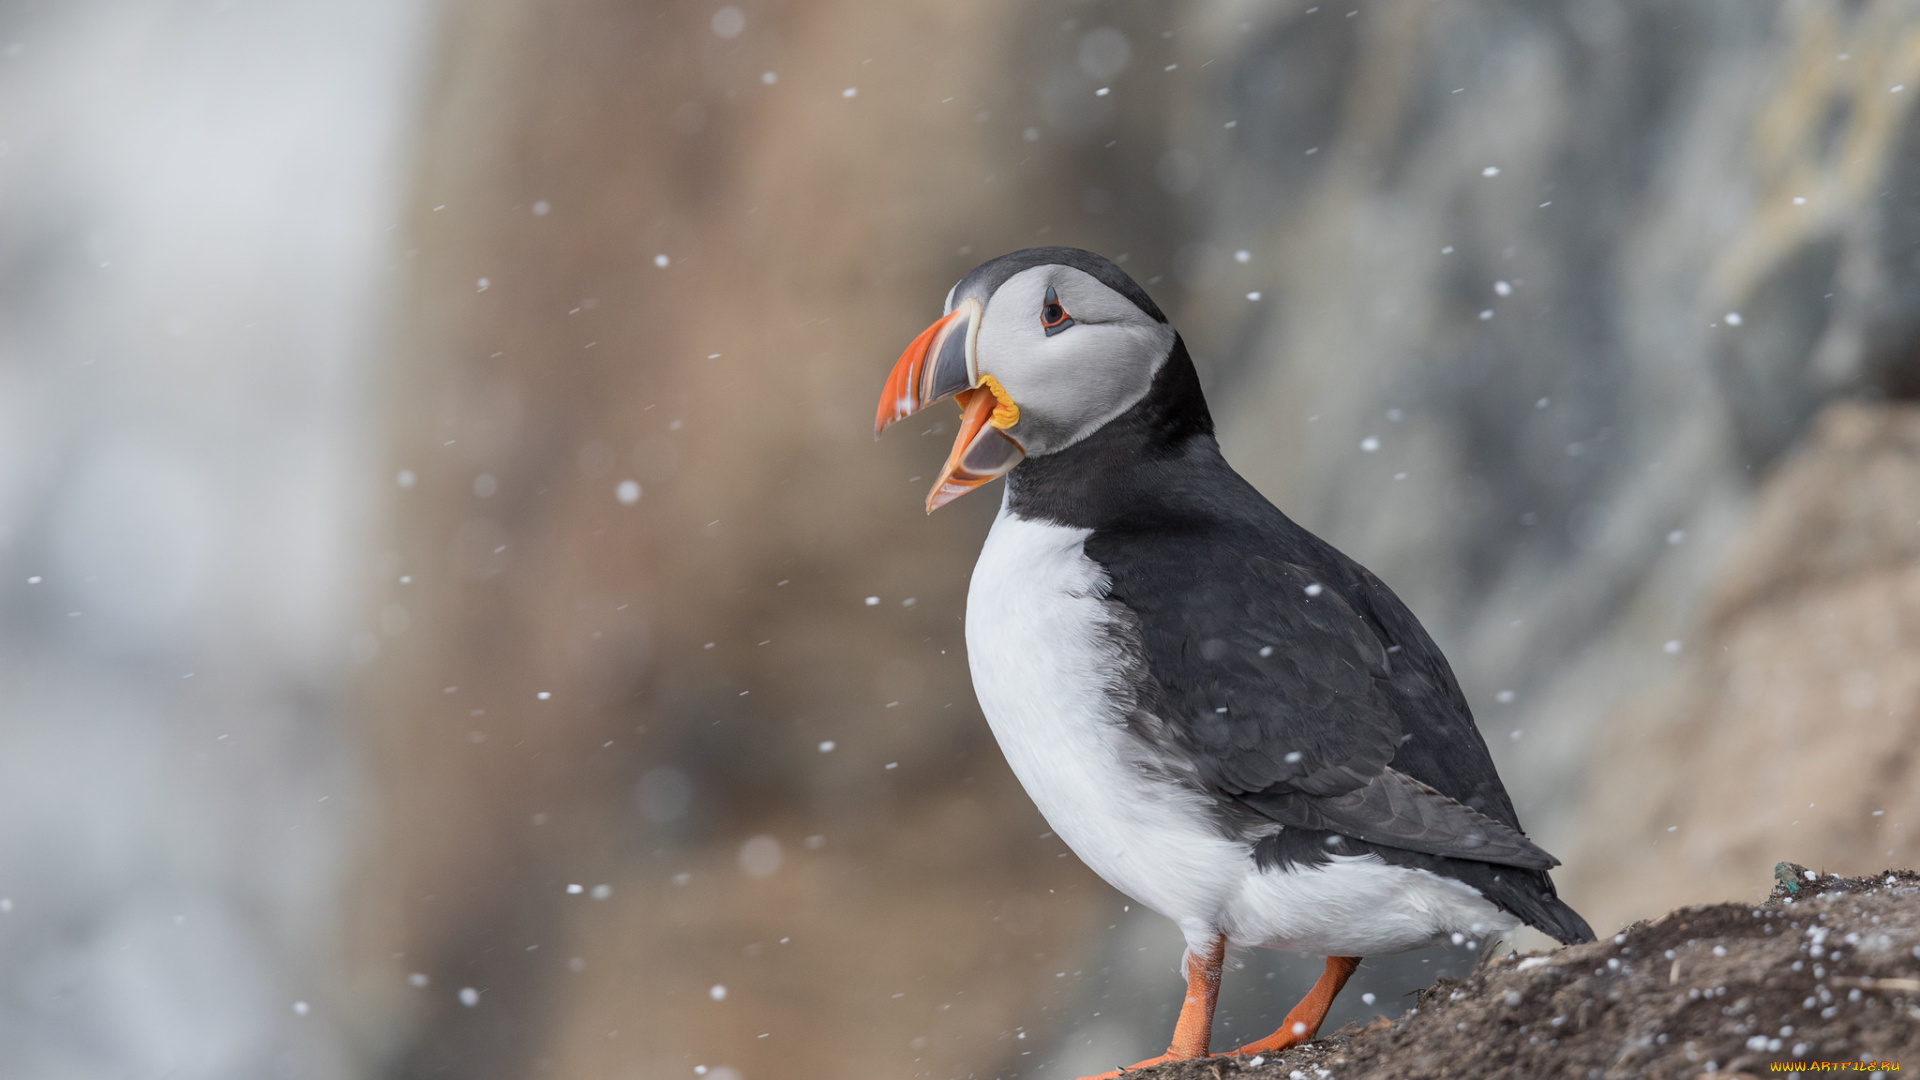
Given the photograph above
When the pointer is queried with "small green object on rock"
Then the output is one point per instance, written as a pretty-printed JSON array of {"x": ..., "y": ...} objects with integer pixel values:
[{"x": 1789, "y": 874}]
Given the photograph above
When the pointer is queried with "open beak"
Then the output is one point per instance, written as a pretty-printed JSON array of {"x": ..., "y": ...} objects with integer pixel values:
[{"x": 942, "y": 363}]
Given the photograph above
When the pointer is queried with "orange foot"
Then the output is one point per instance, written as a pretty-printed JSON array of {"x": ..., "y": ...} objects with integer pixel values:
[
  {"x": 1304, "y": 1021},
  {"x": 1194, "y": 1029}
]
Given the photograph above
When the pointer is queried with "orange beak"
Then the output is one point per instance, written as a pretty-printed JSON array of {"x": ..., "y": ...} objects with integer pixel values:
[{"x": 941, "y": 363}]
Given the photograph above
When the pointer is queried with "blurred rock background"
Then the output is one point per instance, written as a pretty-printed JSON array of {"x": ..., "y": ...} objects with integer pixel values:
[
  {"x": 501, "y": 650},
  {"x": 196, "y": 212}
]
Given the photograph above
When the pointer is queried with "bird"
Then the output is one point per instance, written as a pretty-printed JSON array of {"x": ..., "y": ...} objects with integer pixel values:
[{"x": 1221, "y": 714}]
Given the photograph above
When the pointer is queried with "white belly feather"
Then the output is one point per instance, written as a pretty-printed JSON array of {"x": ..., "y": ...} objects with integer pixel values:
[{"x": 1044, "y": 667}]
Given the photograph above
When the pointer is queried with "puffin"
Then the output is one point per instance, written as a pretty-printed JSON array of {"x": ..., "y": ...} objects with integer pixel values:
[{"x": 1222, "y": 715}]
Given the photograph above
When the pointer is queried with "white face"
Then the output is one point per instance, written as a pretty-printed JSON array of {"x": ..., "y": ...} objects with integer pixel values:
[{"x": 1070, "y": 383}]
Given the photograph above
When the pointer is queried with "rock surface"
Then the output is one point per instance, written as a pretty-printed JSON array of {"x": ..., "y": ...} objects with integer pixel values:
[{"x": 1824, "y": 970}]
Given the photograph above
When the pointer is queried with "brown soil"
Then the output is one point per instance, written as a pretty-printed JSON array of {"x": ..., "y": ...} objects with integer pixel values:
[{"x": 1828, "y": 972}]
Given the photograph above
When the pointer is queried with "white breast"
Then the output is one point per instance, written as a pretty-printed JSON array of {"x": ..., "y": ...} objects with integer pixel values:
[
  {"x": 1041, "y": 644},
  {"x": 1049, "y": 681}
]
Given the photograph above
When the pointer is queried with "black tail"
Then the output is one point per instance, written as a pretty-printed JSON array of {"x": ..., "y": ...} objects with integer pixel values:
[
  {"x": 1526, "y": 893},
  {"x": 1530, "y": 895}
]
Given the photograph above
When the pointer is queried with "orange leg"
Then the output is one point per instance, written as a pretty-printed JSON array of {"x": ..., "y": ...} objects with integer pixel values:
[
  {"x": 1304, "y": 1021},
  {"x": 1193, "y": 1033}
]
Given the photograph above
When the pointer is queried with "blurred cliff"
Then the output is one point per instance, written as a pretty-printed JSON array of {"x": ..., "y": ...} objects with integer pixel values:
[
  {"x": 628, "y": 665},
  {"x": 195, "y": 205},
  {"x": 1803, "y": 664}
]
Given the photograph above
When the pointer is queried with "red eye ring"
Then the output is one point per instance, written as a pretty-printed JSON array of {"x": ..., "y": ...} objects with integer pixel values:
[{"x": 1053, "y": 316}]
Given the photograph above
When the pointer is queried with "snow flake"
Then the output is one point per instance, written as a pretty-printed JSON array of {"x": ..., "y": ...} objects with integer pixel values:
[
  {"x": 760, "y": 856},
  {"x": 1490, "y": 171},
  {"x": 627, "y": 491},
  {"x": 718, "y": 993},
  {"x": 728, "y": 22},
  {"x": 661, "y": 260},
  {"x": 469, "y": 996}
]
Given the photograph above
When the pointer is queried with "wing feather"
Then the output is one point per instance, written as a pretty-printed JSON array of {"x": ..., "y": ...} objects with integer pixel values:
[
  {"x": 1293, "y": 681},
  {"x": 1396, "y": 810}
]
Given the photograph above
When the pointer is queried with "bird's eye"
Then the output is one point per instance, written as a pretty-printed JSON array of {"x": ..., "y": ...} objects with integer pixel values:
[{"x": 1053, "y": 317}]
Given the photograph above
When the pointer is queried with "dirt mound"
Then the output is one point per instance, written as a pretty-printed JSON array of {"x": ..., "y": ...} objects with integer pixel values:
[{"x": 1826, "y": 970}]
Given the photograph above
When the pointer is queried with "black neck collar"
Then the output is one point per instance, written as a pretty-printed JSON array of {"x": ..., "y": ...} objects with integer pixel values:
[{"x": 1139, "y": 463}]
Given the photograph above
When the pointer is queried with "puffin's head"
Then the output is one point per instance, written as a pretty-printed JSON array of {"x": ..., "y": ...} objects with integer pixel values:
[{"x": 1041, "y": 348}]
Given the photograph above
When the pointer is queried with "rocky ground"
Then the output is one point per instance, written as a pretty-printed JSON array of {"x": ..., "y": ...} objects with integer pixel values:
[{"x": 1826, "y": 970}]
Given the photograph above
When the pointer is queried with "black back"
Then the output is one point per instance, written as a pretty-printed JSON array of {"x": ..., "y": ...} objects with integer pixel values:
[{"x": 1282, "y": 676}]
